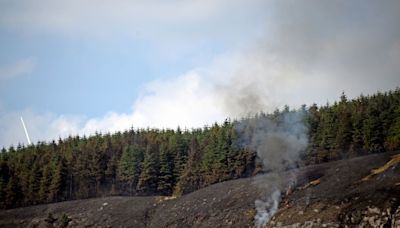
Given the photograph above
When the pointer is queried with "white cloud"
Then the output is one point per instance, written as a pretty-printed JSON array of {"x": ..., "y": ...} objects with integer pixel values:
[
  {"x": 155, "y": 20},
  {"x": 23, "y": 66},
  {"x": 169, "y": 30},
  {"x": 187, "y": 101}
]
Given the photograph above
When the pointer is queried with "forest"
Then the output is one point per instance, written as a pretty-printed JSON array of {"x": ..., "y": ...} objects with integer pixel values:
[{"x": 176, "y": 162}]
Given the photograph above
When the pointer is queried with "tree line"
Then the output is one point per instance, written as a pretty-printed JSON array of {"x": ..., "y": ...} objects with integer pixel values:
[
  {"x": 134, "y": 162},
  {"x": 166, "y": 162},
  {"x": 367, "y": 124}
]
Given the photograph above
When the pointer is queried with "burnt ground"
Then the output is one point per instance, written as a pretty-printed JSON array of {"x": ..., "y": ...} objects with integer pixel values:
[
  {"x": 339, "y": 199},
  {"x": 342, "y": 199}
]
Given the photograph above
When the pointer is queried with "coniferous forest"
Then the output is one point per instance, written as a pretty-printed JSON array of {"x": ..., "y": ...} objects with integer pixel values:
[{"x": 166, "y": 162}]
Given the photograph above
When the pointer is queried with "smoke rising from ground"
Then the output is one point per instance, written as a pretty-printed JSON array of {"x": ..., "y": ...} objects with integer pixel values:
[
  {"x": 311, "y": 51},
  {"x": 279, "y": 141},
  {"x": 266, "y": 209}
]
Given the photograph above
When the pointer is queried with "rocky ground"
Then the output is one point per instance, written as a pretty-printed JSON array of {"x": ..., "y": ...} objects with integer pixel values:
[
  {"x": 326, "y": 195},
  {"x": 343, "y": 199}
]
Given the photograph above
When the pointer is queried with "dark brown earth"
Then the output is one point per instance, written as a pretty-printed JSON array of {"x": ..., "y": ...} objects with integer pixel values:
[{"x": 339, "y": 200}]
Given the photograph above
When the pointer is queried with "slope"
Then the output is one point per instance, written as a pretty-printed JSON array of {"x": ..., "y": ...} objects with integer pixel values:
[{"x": 338, "y": 198}]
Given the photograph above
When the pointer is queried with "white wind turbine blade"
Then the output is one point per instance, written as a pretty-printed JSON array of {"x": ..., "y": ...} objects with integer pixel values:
[{"x": 26, "y": 131}]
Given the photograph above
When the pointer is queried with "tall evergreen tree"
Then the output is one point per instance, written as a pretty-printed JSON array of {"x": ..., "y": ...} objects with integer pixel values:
[
  {"x": 393, "y": 138},
  {"x": 44, "y": 184},
  {"x": 34, "y": 184},
  {"x": 56, "y": 188},
  {"x": 165, "y": 178},
  {"x": 148, "y": 177},
  {"x": 13, "y": 192},
  {"x": 344, "y": 126},
  {"x": 129, "y": 166},
  {"x": 190, "y": 178}
]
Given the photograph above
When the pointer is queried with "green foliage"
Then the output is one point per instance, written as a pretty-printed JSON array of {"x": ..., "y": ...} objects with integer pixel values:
[
  {"x": 13, "y": 192},
  {"x": 129, "y": 165},
  {"x": 166, "y": 177},
  {"x": 64, "y": 221},
  {"x": 367, "y": 124},
  {"x": 190, "y": 178},
  {"x": 45, "y": 181},
  {"x": 34, "y": 184},
  {"x": 149, "y": 175},
  {"x": 393, "y": 139},
  {"x": 56, "y": 187}
]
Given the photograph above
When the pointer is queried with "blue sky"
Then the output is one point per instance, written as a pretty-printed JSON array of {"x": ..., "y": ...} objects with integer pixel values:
[
  {"x": 76, "y": 67},
  {"x": 68, "y": 75}
]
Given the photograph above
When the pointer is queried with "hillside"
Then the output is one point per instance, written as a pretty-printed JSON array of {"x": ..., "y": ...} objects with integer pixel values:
[{"x": 339, "y": 198}]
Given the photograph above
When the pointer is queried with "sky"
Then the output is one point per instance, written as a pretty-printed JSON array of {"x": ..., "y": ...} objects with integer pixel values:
[{"x": 73, "y": 67}]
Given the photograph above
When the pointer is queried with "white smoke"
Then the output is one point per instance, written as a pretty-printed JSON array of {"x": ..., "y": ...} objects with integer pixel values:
[
  {"x": 266, "y": 209},
  {"x": 279, "y": 141}
]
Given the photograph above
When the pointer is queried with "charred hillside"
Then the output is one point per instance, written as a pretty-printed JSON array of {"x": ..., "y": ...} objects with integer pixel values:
[
  {"x": 337, "y": 197},
  {"x": 147, "y": 162}
]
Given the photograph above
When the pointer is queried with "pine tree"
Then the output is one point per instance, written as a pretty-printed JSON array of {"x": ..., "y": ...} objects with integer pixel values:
[
  {"x": 373, "y": 141},
  {"x": 129, "y": 166},
  {"x": 57, "y": 184},
  {"x": 44, "y": 184},
  {"x": 344, "y": 128},
  {"x": 111, "y": 174},
  {"x": 313, "y": 121},
  {"x": 178, "y": 147},
  {"x": 165, "y": 178},
  {"x": 393, "y": 140},
  {"x": 34, "y": 184},
  {"x": 213, "y": 158},
  {"x": 148, "y": 176},
  {"x": 190, "y": 178},
  {"x": 4, "y": 177},
  {"x": 13, "y": 193},
  {"x": 356, "y": 147}
]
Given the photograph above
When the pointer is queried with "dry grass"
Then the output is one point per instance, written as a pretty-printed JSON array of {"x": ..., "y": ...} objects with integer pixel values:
[
  {"x": 311, "y": 183},
  {"x": 165, "y": 198},
  {"x": 394, "y": 161}
]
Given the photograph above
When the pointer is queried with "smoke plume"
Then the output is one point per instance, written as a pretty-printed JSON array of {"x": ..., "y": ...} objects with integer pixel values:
[
  {"x": 279, "y": 140},
  {"x": 266, "y": 209}
]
